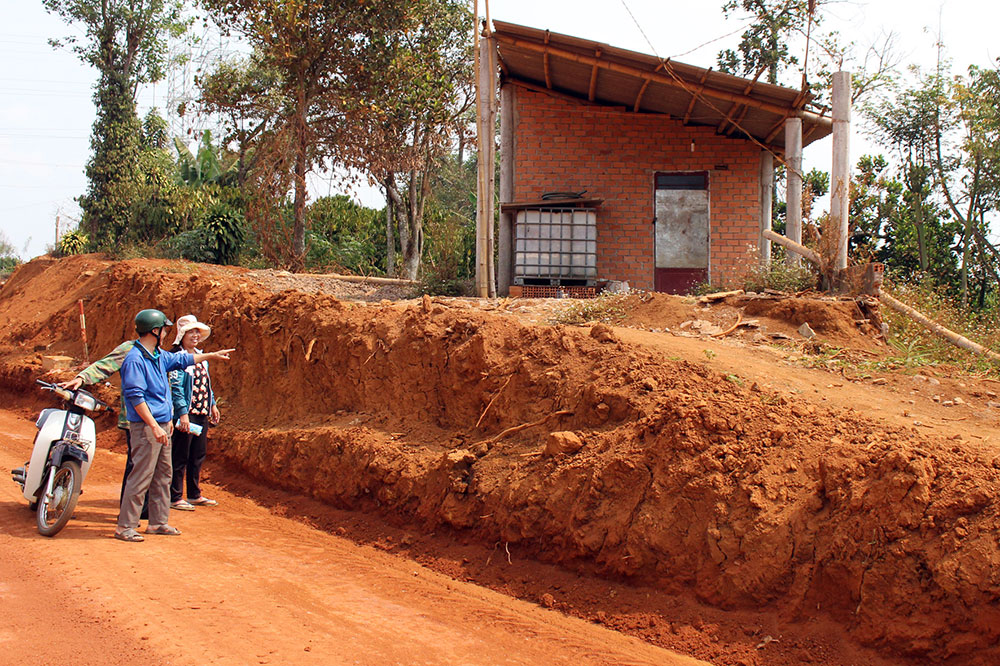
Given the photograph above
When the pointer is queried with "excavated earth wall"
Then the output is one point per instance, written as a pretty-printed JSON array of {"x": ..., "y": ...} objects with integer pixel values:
[{"x": 687, "y": 479}]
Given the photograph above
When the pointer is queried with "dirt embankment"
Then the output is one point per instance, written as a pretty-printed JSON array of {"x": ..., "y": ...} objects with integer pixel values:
[{"x": 687, "y": 480}]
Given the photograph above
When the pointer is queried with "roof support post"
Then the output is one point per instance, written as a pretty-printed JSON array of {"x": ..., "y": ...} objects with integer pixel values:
[
  {"x": 505, "y": 242},
  {"x": 486, "y": 91},
  {"x": 592, "y": 91},
  {"x": 793, "y": 180},
  {"x": 840, "y": 179},
  {"x": 766, "y": 204}
]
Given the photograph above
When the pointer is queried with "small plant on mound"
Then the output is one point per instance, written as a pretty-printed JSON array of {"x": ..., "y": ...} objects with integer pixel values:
[
  {"x": 779, "y": 276},
  {"x": 607, "y": 307},
  {"x": 72, "y": 242}
]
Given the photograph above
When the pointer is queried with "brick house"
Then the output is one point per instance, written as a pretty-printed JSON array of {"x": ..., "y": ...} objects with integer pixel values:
[{"x": 675, "y": 164}]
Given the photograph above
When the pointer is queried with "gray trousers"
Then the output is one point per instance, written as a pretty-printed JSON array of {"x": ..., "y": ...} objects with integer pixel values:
[{"x": 152, "y": 470}]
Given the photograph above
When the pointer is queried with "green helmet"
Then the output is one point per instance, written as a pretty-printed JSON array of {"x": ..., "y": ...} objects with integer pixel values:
[{"x": 147, "y": 320}]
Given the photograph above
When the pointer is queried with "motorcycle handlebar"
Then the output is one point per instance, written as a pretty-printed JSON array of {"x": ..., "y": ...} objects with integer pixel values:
[{"x": 70, "y": 396}]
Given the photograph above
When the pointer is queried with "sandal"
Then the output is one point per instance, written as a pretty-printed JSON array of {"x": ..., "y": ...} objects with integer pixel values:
[
  {"x": 129, "y": 535},
  {"x": 181, "y": 505},
  {"x": 162, "y": 529},
  {"x": 203, "y": 501}
]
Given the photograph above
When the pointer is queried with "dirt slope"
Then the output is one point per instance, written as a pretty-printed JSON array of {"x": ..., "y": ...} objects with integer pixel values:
[
  {"x": 688, "y": 481},
  {"x": 241, "y": 586}
]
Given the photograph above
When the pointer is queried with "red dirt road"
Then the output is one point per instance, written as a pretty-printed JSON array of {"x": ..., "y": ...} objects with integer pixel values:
[{"x": 242, "y": 586}]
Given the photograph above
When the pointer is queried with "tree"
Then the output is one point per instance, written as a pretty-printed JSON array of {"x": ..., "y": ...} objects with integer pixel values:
[
  {"x": 905, "y": 123},
  {"x": 125, "y": 41},
  {"x": 430, "y": 74},
  {"x": 764, "y": 46},
  {"x": 969, "y": 107},
  {"x": 8, "y": 255},
  {"x": 884, "y": 227},
  {"x": 316, "y": 74},
  {"x": 359, "y": 87}
]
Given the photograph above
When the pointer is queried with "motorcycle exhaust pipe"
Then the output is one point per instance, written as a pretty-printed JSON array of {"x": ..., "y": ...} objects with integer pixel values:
[{"x": 18, "y": 475}]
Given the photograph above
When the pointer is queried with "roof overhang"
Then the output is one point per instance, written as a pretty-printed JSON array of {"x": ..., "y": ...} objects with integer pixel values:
[{"x": 597, "y": 73}]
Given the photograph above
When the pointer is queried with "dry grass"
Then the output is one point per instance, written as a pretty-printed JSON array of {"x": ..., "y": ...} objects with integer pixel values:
[{"x": 607, "y": 308}]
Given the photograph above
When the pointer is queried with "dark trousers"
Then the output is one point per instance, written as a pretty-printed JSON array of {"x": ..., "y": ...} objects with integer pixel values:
[
  {"x": 188, "y": 457},
  {"x": 128, "y": 468}
]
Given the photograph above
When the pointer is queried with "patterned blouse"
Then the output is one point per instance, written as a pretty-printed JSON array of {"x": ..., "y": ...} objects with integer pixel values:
[{"x": 200, "y": 402}]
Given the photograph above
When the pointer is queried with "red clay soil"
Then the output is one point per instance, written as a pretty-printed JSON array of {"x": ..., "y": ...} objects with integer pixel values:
[
  {"x": 837, "y": 321},
  {"x": 689, "y": 486}
]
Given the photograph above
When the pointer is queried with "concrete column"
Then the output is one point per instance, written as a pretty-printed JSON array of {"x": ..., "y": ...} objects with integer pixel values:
[
  {"x": 766, "y": 204},
  {"x": 505, "y": 253},
  {"x": 840, "y": 178},
  {"x": 793, "y": 180}
]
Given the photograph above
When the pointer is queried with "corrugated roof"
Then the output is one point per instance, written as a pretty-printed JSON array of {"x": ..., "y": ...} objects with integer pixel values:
[{"x": 603, "y": 74}]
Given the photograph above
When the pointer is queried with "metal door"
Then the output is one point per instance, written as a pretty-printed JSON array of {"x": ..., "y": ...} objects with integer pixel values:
[{"x": 682, "y": 232}]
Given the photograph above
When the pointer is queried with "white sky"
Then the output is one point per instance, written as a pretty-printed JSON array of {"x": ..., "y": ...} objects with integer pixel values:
[{"x": 46, "y": 110}]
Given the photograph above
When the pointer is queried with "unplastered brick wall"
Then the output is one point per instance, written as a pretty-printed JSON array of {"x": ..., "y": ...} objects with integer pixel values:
[{"x": 614, "y": 155}]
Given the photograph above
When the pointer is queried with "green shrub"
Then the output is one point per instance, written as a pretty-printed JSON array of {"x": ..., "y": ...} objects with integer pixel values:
[
  {"x": 225, "y": 233},
  {"x": 191, "y": 245},
  {"x": 72, "y": 242}
]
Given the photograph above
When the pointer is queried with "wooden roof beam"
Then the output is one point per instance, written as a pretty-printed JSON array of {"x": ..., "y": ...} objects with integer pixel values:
[
  {"x": 593, "y": 77},
  {"x": 694, "y": 97},
  {"x": 726, "y": 120},
  {"x": 545, "y": 64},
  {"x": 638, "y": 98},
  {"x": 671, "y": 79},
  {"x": 736, "y": 124},
  {"x": 746, "y": 91},
  {"x": 776, "y": 128}
]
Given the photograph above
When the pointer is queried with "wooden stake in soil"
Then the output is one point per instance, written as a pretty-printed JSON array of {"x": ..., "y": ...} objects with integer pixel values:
[{"x": 83, "y": 333}]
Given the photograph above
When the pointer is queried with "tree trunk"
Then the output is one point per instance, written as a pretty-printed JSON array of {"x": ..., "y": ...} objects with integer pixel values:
[
  {"x": 299, "y": 226},
  {"x": 967, "y": 233},
  {"x": 411, "y": 237},
  {"x": 390, "y": 236},
  {"x": 917, "y": 208}
]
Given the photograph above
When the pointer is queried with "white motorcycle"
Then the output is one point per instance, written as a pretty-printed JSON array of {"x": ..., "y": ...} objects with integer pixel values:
[{"x": 64, "y": 448}]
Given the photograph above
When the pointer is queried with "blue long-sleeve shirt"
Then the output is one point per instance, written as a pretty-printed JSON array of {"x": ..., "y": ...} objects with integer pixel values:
[{"x": 144, "y": 379}]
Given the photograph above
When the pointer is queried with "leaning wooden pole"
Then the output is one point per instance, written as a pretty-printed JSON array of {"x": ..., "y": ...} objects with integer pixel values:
[
  {"x": 937, "y": 329},
  {"x": 793, "y": 246},
  {"x": 917, "y": 316}
]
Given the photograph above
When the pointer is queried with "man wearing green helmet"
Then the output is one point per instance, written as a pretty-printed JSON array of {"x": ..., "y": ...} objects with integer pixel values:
[{"x": 149, "y": 412}]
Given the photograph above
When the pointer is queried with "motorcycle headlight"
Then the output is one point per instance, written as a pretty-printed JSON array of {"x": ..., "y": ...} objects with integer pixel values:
[{"x": 85, "y": 400}]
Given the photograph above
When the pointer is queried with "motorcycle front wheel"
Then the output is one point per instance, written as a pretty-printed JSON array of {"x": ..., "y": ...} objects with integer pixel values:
[{"x": 54, "y": 513}]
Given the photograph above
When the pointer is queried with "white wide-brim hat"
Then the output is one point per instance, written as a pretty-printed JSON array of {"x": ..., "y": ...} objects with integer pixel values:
[{"x": 188, "y": 322}]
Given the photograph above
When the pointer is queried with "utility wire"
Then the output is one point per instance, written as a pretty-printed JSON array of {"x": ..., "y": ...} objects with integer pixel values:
[{"x": 666, "y": 66}]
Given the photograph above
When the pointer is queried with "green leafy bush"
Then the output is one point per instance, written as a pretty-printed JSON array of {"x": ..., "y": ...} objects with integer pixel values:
[
  {"x": 225, "y": 233},
  {"x": 345, "y": 236},
  {"x": 72, "y": 242},
  {"x": 191, "y": 245}
]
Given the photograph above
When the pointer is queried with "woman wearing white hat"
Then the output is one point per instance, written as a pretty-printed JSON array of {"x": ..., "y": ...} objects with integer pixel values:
[{"x": 194, "y": 409}]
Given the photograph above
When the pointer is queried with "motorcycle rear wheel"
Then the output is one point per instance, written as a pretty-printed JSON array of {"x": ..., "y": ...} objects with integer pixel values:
[{"x": 52, "y": 515}]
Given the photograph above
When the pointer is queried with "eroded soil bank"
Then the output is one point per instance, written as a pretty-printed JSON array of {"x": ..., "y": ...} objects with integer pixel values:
[{"x": 688, "y": 480}]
